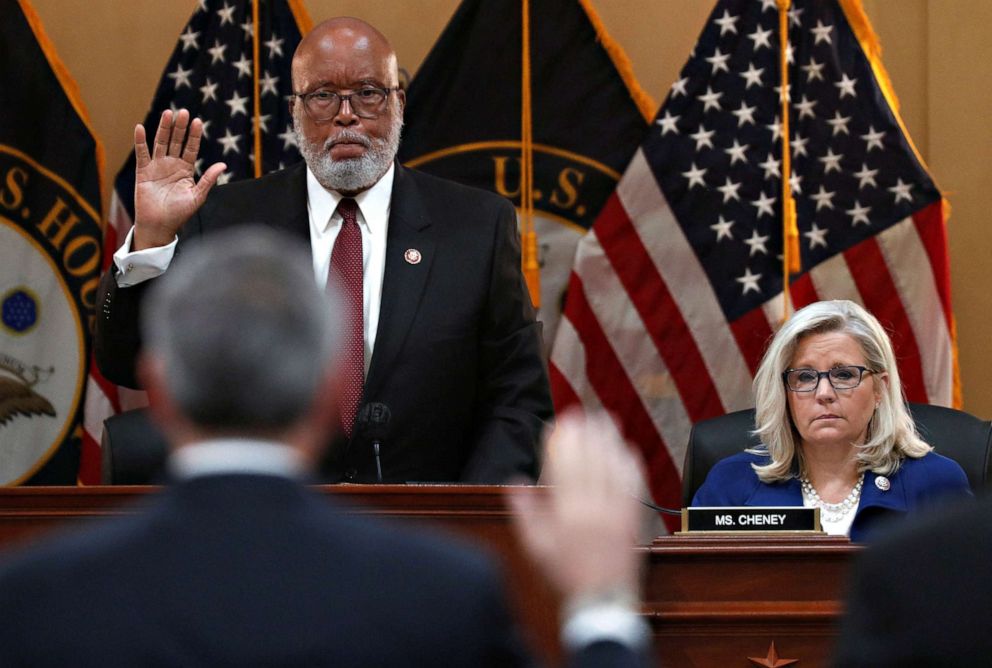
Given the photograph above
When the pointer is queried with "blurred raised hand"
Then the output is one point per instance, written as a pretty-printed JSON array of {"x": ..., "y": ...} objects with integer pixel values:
[{"x": 582, "y": 532}]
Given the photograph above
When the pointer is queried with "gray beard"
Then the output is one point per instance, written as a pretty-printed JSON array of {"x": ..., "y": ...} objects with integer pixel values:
[{"x": 353, "y": 174}]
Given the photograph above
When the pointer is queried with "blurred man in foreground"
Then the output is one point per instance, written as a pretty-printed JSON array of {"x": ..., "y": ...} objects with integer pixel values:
[
  {"x": 923, "y": 596},
  {"x": 239, "y": 564}
]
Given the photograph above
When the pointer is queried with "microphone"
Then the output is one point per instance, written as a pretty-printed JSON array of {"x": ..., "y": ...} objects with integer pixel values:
[{"x": 374, "y": 418}]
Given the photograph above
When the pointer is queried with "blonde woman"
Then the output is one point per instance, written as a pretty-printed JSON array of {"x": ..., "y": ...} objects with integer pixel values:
[{"x": 834, "y": 429}]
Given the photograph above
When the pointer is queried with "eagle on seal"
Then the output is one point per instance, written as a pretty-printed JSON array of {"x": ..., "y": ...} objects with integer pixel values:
[{"x": 17, "y": 398}]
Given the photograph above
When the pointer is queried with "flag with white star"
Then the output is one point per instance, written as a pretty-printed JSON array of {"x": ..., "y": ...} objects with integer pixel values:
[
  {"x": 678, "y": 286},
  {"x": 213, "y": 73},
  {"x": 51, "y": 164}
]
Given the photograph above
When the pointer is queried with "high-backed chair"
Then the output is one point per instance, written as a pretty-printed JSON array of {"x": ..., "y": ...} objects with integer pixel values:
[
  {"x": 961, "y": 436},
  {"x": 133, "y": 449}
]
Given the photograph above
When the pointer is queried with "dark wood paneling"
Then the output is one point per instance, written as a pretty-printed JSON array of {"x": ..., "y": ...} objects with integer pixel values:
[{"x": 711, "y": 601}]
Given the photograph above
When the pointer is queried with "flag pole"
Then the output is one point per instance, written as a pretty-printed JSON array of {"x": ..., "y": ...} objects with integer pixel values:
[
  {"x": 256, "y": 106},
  {"x": 528, "y": 237},
  {"x": 790, "y": 230}
]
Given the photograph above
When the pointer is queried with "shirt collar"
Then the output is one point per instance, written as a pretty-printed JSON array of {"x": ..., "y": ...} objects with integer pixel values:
[
  {"x": 235, "y": 455},
  {"x": 372, "y": 203}
]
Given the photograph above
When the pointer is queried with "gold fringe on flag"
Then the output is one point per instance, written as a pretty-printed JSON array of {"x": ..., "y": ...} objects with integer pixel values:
[
  {"x": 71, "y": 89},
  {"x": 790, "y": 230},
  {"x": 872, "y": 48},
  {"x": 645, "y": 103},
  {"x": 528, "y": 237},
  {"x": 855, "y": 14}
]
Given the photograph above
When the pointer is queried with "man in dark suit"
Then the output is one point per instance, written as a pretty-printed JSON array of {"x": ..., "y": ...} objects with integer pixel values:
[
  {"x": 238, "y": 563},
  {"x": 445, "y": 334},
  {"x": 923, "y": 597}
]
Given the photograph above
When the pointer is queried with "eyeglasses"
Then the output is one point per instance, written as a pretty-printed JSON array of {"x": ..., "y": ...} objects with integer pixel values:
[
  {"x": 840, "y": 378},
  {"x": 366, "y": 102}
]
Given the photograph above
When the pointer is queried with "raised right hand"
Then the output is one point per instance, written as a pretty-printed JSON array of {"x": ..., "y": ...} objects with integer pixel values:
[
  {"x": 582, "y": 532},
  {"x": 165, "y": 192}
]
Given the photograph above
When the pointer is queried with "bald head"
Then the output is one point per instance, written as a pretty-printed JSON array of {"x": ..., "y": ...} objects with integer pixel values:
[{"x": 344, "y": 46}]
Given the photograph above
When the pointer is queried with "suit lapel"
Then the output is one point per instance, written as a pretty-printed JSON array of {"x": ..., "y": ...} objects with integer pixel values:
[
  {"x": 892, "y": 498},
  {"x": 295, "y": 219},
  {"x": 403, "y": 281}
]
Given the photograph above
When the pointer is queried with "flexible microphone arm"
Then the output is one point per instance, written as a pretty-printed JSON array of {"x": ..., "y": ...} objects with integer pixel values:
[
  {"x": 660, "y": 509},
  {"x": 374, "y": 419}
]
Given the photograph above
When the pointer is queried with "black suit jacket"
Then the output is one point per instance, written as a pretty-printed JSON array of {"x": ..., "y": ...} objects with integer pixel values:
[
  {"x": 457, "y": 356},
  {"x": 924, "y": 596},
  {"x": 252, "y": 570}
]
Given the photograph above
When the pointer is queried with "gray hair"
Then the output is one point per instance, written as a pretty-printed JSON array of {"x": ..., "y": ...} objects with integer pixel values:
[
  {"x": 892, "y": 434},
  {"x": 353, "y": 174},
  {"x": 245, "y": 334}
]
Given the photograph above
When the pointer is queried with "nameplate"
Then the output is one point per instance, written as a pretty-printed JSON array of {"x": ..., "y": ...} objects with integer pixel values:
[{"x": 790, "y": 519}]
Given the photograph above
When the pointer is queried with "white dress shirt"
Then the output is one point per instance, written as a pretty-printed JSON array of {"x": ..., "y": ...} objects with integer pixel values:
[
  {"x": 325, "y": 223},
  {"x": 373, "y": 221},
  {"x": 236, "y": 455},
  {"x": 608, "y": 618}
]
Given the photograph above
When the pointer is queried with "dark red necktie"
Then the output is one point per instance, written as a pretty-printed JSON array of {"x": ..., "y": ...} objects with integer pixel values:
[{"x": 346, "y": 265}]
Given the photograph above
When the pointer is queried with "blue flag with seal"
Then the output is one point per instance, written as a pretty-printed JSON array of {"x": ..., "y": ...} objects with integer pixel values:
[
  {"x": 534, "y": 101},
  {"x": 50, "y": 254}
]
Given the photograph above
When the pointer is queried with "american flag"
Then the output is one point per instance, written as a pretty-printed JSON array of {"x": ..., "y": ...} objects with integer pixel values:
[
  {"x": 213, "y": 72},
  {"x": 678, "y": 285}
]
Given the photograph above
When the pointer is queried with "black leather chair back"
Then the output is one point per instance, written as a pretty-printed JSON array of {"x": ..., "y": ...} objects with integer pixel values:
[
  {"x": 952, "y": 433},
  {"x": 134, "y": 450}
]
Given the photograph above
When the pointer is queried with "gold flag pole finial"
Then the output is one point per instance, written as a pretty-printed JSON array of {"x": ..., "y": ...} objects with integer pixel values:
[
  {"x": 790, "y": 229},
  {"x": 528, "y": 237}
]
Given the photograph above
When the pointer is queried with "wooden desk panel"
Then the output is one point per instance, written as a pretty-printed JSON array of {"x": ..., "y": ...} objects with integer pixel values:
[
  {"x": 714, "y": 601},
  {"x": 711, "y": 601}
]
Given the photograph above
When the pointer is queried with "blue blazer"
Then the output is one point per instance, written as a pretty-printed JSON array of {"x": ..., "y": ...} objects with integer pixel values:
[{"x": 918, "y": 484}]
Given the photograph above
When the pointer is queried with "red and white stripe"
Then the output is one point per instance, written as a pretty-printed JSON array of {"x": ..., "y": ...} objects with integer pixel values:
[
  {"x": 643, "y": 335},
  {"x": 895, "y": 277}
]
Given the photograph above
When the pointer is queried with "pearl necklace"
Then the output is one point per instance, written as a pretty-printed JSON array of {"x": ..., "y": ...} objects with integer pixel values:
[{"x": 833, "y": 512}]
